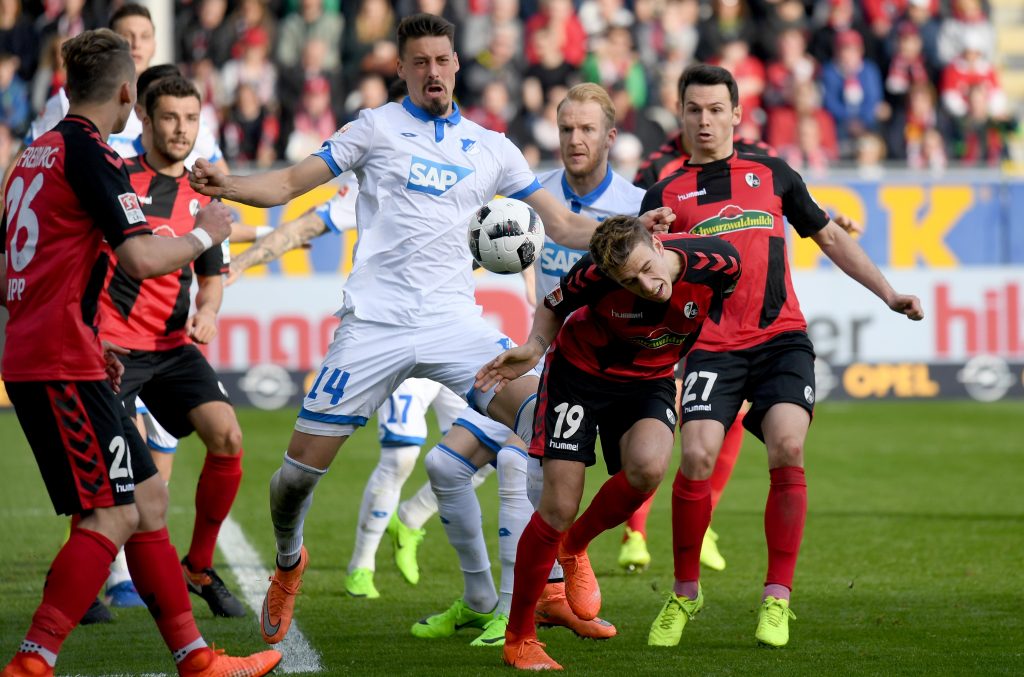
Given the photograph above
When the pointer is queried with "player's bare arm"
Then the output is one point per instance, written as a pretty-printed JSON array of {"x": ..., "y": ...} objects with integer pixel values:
[
  {"x": 146, "y": 256},
  {"x": 853, "y": 261},
  {"x": 574, "y": 230},
  {"x": 284, "y": 238},
  {"x": 267, "y": 189},
  {"x": 202, "y": 326},
  {"x": 513, "y": 363}
]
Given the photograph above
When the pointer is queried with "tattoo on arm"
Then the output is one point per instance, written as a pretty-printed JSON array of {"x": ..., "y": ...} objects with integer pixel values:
[
  {"x": 541, "y": 341},
  {"x": 282, "y": 240}
]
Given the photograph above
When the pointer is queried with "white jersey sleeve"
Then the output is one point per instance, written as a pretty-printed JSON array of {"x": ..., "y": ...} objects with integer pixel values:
[
  {"x": 54, "y": 110},
  {"x": 518, "y": 181},
  {"x": 348, "y": 147},
  {"x": 339, "y": 213}
]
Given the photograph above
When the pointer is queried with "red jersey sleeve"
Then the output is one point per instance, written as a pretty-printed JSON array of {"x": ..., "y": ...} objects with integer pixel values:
[
  {"x": 799, "y": 208},
  {"x": 99, "y": 180},
  {"x": 583, "y": 284}
]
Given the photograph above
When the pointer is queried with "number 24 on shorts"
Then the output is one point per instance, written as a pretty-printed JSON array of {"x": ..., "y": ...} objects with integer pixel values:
[{"x": 335, "y": 386}]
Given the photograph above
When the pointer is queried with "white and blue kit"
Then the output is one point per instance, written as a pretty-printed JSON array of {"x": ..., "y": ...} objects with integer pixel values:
[
  {"x": 614, "y": 195},
  {"x": 408, "y": 307}
]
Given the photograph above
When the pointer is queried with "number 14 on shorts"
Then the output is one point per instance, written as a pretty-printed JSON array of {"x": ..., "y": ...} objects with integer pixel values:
[{"x": 335, "y": 386}]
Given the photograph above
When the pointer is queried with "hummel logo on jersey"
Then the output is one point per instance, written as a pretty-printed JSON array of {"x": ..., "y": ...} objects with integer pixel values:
[
  {"x": 408, "y": 135},
  {"x": 427, "y": 176},
  {"x": 752, "y": 180},
  {"x": 146, "y": 199},
  {"x": 627, "y": 316},
  {"x": 691, "y": 194}
]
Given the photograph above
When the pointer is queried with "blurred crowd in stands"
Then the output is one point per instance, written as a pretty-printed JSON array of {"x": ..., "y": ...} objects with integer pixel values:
[{"x": 865, "y": 82}]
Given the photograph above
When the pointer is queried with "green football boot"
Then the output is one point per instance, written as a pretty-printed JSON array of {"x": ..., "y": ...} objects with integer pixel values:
[
  {"x": 667, "y": 628},
  {"x": 405, "y": 541},
  {"x": 359, "y": 583},
  {"x": 633, "y": 555},
  {"x": 494, "y": 632},
  {"x": 710, "y": 557},
  {"x": 446, "y": 623},
  {"x": 773, "y": 622}
]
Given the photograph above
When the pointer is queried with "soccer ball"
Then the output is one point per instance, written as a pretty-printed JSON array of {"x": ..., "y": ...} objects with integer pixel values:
[{"x": 506, "y": 236}]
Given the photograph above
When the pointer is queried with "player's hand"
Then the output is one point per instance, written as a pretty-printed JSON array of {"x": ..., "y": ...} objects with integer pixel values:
[
  {"x": 206, "y": 179},
  {"x": 234, "y": 272},
  {"x": 202, "y": 327},
  {"x": 849, "y": 225},
  {"x": 215, "y": 219},
  {"x": 658, "y": 220},
  {"x": 112, "y": 365},
  {"x": 908, "y": 305},
  {"x": 506, "y": 367}
]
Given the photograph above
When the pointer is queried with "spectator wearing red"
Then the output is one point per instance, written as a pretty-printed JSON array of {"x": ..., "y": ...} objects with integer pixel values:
[
  {"x": 807, "y": 154},
  {"x": 749, "y": 73},
  {"x": 559, "y": 17},
  {"x": 971, "y": 69},
  {"x": 495, "y": 108},
  {"x": 252, "y": 66},
  {"x": 793, "y": 67},
  {"x": 980, "y": 133},
  {"x": 314, "y": 120},
  {"x": 783, "y": 121}
]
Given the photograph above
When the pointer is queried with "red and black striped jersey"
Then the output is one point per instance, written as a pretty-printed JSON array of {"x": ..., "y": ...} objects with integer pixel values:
[
  {"x": 69, "y": 190},
  {"x": 743, "y": 199},
  {"x": 670, "y": 157},
  {"x": 610, "y": 332},
  {"x": 151, "y": 314}
]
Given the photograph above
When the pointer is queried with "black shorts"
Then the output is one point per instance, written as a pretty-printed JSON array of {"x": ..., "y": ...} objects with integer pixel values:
[
  {"x": 171, "y": 383},
  {"x": 88, "y": 450},
  {"x": 776, "y": 371},
  {"x": 572, "y": 404}
]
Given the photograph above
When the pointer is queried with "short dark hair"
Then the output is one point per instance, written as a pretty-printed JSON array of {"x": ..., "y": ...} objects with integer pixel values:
[
  {"x": 424, "y": 26},
  {"x": 131, "y": 9},
  {"x": 705, "y": 74},
  {"x": 615, "y": 239},
  {"x": 175, "y": 86},
  {"x": 151, "y": 75},
  {"x": 97, "y": 62}
]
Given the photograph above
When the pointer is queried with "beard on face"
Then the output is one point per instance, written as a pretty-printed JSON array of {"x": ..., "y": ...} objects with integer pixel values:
[{"x": 165, "y": 150}]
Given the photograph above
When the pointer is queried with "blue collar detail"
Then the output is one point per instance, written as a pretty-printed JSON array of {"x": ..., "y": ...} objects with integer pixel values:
[
  {"x": 577, "y": 202},
  {"x": 439, "y": 123}
]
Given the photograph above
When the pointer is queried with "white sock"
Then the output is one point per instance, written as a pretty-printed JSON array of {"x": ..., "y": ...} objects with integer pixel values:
[
  {"x": 514, "y": 512},
  {"x": 380, "y": 498},
  {"x": 451, "y": 478},
  {"x": 180, "y": 654},
  {"x": 39, "y": 650},
  {"x": 118, "y": 570},
  {"x": 421, "y": 506},
  {"x": 291, "y": 495}
]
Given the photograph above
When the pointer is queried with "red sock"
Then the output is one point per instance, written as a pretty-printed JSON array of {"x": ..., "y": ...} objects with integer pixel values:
[
  {"x": 784, "y": 516},
  {"x": 638, "y": 520},
  {"x": 536, "y": 551},
  {"x": 726, "y": 459},
  {"x": 76, "y": 575},
  {"x": 155, "y": 570},
  {"x": 614, "y": 502},
  {"x": 691, "y": 515},
  {"x": 218, "y": 486}
]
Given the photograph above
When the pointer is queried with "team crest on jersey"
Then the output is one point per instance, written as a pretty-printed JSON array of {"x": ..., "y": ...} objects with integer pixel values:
[
  {"x": 469, "y": 146},
  {"x": 193, "y": 206},
  {"x": 753, "y": 180},
  {"x": 809, "y": 394},
  {"x": 131, "y": 207},
  {"x": 690, "y": 310},
  {"x": 427, "y": 176},
  {"x": 732, "y": 218}
]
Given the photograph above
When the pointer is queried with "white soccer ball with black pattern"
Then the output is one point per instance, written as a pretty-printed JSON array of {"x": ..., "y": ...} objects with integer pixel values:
[{"x": 506, "y": 236}]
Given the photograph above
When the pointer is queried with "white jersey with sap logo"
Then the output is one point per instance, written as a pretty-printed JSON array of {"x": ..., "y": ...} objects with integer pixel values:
[
  {"x": 615, "y": 195},
  {"x": 420, "y": 180}
]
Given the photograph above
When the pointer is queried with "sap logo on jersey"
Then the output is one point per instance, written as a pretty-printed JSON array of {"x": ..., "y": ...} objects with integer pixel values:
[
  {"x": 557, "y": 260},
  {"x": 427, "y": 176}
]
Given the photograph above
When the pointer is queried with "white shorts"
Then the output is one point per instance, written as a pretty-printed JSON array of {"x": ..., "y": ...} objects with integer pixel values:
[
  {"x": 402, "y": 420},
  {"x": 367, "y": 361},
  {"x": 157, "y": 438},
  {"x": 489, "y": 432}
]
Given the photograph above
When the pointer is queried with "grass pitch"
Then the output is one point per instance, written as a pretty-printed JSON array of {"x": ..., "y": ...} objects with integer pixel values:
[{"x": 911, "y": 562}]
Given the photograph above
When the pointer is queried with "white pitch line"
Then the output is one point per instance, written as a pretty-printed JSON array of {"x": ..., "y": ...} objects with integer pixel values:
[{"x": 299, "y": 655}]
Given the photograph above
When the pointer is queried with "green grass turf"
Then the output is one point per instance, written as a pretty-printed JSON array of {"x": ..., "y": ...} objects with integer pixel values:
[{"x": 911, "y": 562}]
